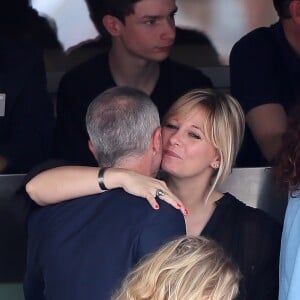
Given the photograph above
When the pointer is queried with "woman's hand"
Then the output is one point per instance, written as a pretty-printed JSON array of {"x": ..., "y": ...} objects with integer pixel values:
[
  {"x": 142, "y": 186},
  {"x": 69, "y": 182}
]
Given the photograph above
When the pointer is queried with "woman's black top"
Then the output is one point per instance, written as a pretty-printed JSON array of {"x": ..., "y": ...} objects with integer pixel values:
[{"x": 252, "y": 239}]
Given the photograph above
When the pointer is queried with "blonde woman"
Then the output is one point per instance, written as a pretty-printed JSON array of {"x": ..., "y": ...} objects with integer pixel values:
[
  {"x": 201, "y": 134},
  {"x": 188, "y": 268}
]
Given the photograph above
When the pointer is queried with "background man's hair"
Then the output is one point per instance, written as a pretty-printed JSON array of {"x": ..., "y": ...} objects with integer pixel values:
[
  {"x": 120, "y": 123},
  {"x": 282, "y": 8},
  {"x": 118, "y": 8}
]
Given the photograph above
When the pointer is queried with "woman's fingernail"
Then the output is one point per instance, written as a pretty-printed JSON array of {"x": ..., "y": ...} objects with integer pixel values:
[
  {"x": 156, "y": 206},
  {"x": 178, "y": 205},
  {"x": 186, "y": 212}
]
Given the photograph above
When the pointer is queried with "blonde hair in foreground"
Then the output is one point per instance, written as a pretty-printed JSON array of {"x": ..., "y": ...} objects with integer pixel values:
[
  {"x": 224, "y": 125},
  {"x": 188, "y": 268}
]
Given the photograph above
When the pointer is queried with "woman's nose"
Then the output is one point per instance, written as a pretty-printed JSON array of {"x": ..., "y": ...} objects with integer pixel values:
[{"x": 175, "y": 139}]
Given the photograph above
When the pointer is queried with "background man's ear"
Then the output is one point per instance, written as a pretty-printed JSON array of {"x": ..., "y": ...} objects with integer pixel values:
[
  {"x": 112, "y": 25},
  {"x": 92, "y": 149}
]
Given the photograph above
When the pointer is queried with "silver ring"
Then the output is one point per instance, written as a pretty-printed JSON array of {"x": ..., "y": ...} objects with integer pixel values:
[{"x": 159, "y": 193}]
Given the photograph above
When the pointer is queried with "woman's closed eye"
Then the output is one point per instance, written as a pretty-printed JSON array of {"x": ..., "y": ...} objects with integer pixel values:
[
  {"x": 171, "y": 126},
  {"x": 195, "y": 135}
]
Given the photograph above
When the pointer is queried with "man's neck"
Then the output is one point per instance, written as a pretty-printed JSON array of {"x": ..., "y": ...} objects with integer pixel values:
[
  {"x": 292, "y": 34},
  {"x": 136, "y": 163},
  {"x": 132, "y": 71}
]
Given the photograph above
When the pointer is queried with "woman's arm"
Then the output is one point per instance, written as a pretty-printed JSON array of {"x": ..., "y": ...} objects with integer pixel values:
[
  {"x": 63, "y": 183},
  {"x": 68, "y": 182}
]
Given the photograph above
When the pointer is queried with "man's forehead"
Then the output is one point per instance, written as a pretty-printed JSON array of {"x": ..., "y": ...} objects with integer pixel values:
[{"x": 149, "y": 8}]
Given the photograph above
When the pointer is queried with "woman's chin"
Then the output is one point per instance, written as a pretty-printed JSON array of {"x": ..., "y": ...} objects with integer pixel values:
[{"x": 169, "y": 169}]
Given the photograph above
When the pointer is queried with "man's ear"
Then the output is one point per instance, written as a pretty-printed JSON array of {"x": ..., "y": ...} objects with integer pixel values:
[
  {"x": 112, "y": 25},
  {"x": 157, "y": 141},
  {"x": 92, "y": 149},
  {"x": 294, "y": 9}
]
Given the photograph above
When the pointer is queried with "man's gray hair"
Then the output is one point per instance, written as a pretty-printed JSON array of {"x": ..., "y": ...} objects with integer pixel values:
[{"x": 120, "y": 123}]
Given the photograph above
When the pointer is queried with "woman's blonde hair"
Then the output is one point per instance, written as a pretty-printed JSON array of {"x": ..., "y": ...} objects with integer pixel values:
[
  {"x": 224, "y": 125},
  {"x": 188, "y": 268}
]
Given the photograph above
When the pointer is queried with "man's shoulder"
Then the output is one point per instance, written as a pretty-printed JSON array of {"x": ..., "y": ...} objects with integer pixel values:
[
  {"x": 253, "y": 57},
  {"x": 152, "y": 228},
  {"x": 139, "y": 211},
  {"x": 113, "y": 216},
  {"x": 258, "y": 38},
  {"x": 180, "y": 69},
  {"x": 135, "y": 204},
  {"x": 117, "y": 202},
  {"x": 90, "y": 68},
  {"x": 184, "y": 73},
  {"x": 116, "y": 198}
]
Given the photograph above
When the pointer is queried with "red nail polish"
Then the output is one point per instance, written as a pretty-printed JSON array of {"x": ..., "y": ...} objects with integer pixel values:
[
  {"x": 186, "y": 212},
  {"x": 178, "y": 205},
  {"x": 156, "y": 206}
]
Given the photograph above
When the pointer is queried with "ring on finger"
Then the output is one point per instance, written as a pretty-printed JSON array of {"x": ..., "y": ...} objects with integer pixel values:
[{"x": 159, "y": 193}]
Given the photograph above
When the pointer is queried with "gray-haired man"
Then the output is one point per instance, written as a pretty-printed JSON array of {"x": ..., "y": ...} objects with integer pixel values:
[{"x": 82, "y": 249}]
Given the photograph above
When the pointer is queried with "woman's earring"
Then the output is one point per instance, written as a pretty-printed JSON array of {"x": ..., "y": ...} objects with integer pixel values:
[{"x": 215, "y": 165}]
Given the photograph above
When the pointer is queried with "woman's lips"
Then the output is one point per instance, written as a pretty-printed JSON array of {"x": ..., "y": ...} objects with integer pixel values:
[{"x": 171, "y": 153}]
